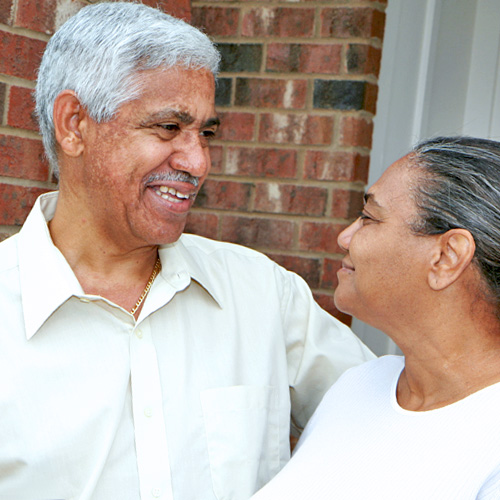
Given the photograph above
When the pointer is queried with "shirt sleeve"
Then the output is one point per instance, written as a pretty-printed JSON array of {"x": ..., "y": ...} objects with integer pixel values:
[{"x": 319, "y": 349}]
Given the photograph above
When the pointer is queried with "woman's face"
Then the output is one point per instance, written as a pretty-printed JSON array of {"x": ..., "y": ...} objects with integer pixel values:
[{"x": 385, "y": 265}]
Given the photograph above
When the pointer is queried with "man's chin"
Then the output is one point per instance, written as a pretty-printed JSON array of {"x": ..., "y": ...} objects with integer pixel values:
[{"x": 166, "y": 235}]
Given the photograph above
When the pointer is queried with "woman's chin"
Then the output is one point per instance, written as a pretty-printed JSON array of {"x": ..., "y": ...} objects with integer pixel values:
[{"x": 342, "y": 303}]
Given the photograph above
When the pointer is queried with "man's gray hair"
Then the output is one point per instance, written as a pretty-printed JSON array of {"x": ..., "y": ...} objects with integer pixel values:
[
  {"x": 98, "y": 53},
  {"x": 460, "y": 188}
]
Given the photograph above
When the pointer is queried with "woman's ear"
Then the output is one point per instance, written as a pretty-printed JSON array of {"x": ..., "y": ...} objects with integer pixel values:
[
  {"x": 453, "y": 253},
  {"x": 69, "y": 120}
]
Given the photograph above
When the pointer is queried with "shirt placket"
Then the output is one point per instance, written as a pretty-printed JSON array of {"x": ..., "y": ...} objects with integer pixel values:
[{"x": 149, "y": 423}]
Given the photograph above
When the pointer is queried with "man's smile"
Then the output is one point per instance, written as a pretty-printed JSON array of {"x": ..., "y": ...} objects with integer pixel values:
[{"x": 171, "y": 194}]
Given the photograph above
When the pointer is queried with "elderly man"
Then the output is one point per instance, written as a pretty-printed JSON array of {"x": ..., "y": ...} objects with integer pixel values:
[
  {"x": 136, "y": 362},
  {"x": 423, "y": 264}
]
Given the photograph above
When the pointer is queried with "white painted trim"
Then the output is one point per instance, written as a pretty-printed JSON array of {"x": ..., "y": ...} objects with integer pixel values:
[
  {"x": 482, "y": 110},
  {"x": 425, "y": 67}
]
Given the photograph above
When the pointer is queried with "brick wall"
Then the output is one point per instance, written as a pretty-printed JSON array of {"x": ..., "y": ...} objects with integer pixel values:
[{"x": 296, "y": 96}]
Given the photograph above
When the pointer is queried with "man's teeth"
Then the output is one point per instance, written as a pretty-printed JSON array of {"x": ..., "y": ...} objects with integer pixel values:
[{"x": 167, "y": 192}]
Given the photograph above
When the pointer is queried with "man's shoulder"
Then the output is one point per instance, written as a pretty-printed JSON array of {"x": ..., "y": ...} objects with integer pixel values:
[
  {"x": 222, "y": 249},
  {"x": 227, "y": 263}
]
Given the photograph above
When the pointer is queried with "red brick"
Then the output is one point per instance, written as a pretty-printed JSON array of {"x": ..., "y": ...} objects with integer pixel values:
[
  {"x": 326, "y": 301},
  {"x": 337, "y": 2},
  {"x": 296, "y": 129},
  {"x": 289, "y": 199},
  {"x": 176, "y": 8},
  {"x": 308, "y": 268},
  {"x": 363, "y": 59},
  {"x": 37, "y": 16},
  {"x": 347, "y": 22},
  {"x": 346, "y": 204},
  {"x": 336, "y": 166},
  {"x": 278, "y": 21},
  {"x": 216, "y": 21},
  {"x": 236, "y": 126},
  {"x": 329, "y": 277},
  {"x": 216, "y": 155},
  {"x": 258, "y": 162},
  {"x": 371, "y": 93},
  {"x": 307, "y": 58},
  {"x": 320, "y": 59},
  {"x": 195, "y": 2},
  {"x": 258, "y": 233},
  {"x": 3, "y": 93},
  {"x": 22, "y": 158},
  {"x": 20, "y": 55},
  {"x": 267, "y": 93},
  {"x": 224, "y": 195},
  {"x": 6, "y": 11},
  {"x": 356, "y": 131},
  {"x": 22, "y": 109},
  {"x": 41, "y": 15},
  {"x": 320, "y": 237},
  {"x": 202, "y": 224},
  {"x": 16, "y": 203}
]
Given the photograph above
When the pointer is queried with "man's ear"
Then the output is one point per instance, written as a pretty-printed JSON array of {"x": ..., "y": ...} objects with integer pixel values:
[
  {"x": 453, "y": 253},
  {"x": 69, "y": 119}
]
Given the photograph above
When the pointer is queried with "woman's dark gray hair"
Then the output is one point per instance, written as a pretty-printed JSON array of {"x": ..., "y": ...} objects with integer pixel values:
[
  {"x": 460, "y": 188},
  {"x": 100, "y": 52}
]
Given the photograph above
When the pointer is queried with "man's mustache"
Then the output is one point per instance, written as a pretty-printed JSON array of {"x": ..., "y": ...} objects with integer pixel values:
[{"x": 174, "y": 176}]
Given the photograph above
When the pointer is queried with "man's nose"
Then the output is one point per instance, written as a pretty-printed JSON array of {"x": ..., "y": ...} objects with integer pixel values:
[{"x": 190, "y": 155}]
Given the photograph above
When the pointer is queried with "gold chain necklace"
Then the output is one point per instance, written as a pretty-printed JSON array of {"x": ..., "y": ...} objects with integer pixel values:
[{"x": 155, "y": 272}]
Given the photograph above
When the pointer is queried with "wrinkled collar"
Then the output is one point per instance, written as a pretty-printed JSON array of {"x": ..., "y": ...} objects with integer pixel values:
[
  {"x": 47, "y": 280},
  {"x": 179, "y": 259}
]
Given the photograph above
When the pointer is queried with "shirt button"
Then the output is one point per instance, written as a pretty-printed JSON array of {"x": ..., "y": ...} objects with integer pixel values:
[
  {"x": 138, "y": 334},
  {"x": 156, "y": 492},
  {"x": 148, "y": 412}
]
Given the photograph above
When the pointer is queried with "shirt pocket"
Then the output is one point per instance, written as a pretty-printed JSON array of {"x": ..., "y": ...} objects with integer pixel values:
[{"x": 242, "y": 427}]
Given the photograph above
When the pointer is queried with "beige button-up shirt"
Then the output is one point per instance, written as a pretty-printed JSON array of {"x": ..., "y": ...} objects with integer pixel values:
[{"x": 190, "y": 402}]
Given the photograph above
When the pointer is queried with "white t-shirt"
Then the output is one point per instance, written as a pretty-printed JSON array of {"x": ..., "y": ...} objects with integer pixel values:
[{"x": 360, "y": 444}]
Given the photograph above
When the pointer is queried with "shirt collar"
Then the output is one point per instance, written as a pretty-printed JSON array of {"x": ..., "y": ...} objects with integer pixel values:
[
  {"x": 47, "y": 280},
  {"x": 179, "y": 261}
]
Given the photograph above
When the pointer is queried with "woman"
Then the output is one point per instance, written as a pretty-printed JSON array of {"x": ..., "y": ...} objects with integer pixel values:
[{"x": 422, "y": 264}]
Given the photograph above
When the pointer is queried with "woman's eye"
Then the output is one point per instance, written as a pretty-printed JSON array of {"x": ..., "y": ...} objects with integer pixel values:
[{"x": 364, "y": 217}]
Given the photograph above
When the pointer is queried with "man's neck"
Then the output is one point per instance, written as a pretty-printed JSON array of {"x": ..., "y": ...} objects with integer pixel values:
[{"x": 117, "y": 273}]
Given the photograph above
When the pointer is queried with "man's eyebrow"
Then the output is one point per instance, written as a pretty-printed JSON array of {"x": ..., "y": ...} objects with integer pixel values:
[
  {"x": 182, "y": 116},
  {"x": 211, "y": 122},
  {"x": 168, "y": 114}
]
